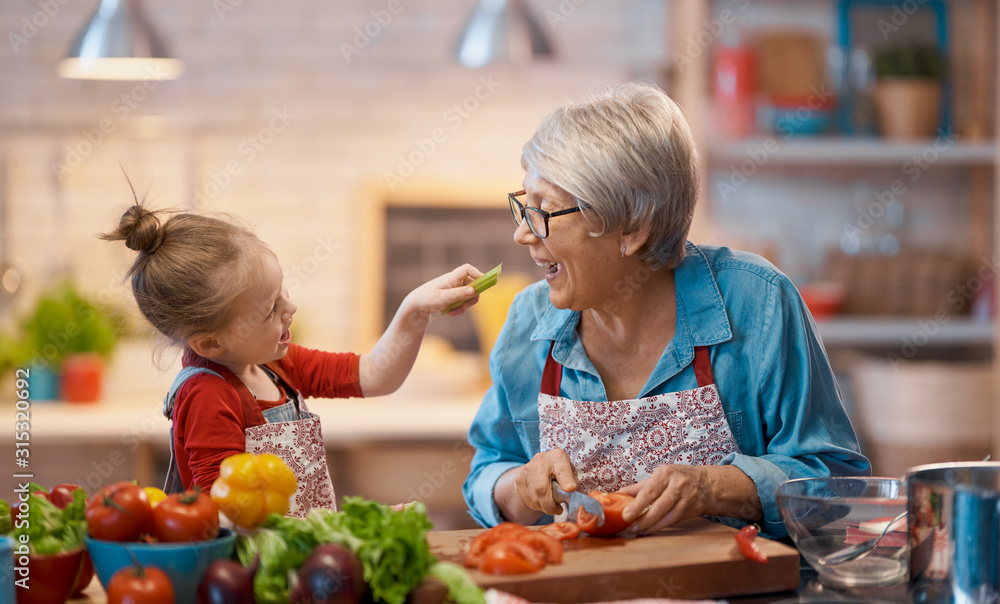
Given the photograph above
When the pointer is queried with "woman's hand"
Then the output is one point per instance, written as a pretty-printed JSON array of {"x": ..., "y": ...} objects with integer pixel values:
[
  {"x": 523, "y": 493},
  {"x": 534, "y": 481},
  {"x": 678, "y": 492},
  {"x": 439, "y": 293}
]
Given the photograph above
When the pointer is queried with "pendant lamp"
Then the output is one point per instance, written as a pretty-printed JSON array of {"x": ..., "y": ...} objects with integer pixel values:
[
  {"x": 118, "y": 43},
  {"x": 499, "y": 30}
]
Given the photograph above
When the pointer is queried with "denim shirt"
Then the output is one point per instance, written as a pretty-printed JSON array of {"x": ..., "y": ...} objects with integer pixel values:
[{"x": 778, "y": 391}]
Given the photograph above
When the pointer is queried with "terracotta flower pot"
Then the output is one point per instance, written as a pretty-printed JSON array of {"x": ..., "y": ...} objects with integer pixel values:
[{"x": 908, "y": 108}]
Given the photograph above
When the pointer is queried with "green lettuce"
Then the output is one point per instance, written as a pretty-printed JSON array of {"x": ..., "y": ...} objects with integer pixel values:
[
  {"x": 50, "y": 530},
  {"x": 391, "y": 545}
]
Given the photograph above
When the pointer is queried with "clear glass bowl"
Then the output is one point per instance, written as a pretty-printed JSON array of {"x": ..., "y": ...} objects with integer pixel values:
[{"x": 829, "y": 516}]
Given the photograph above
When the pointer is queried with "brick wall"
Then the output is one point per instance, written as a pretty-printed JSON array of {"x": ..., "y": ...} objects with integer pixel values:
[{"x": 286, "y": 114}]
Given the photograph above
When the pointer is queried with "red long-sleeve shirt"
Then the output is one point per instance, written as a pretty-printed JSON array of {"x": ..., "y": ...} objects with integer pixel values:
[{"x": 211, "y": 414}]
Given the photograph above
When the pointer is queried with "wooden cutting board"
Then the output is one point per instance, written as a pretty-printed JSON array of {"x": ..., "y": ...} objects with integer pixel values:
[{"x": 693, "y": 559}]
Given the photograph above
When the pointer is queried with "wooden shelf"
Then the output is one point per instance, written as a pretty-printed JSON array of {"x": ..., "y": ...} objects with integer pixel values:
[
  {"x": 891, "y": 331},
  {"x": 850, "y": 151}
]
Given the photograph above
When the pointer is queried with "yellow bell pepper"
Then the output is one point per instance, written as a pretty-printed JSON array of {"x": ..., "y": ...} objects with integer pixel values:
[{"x": 250, "y": 487}]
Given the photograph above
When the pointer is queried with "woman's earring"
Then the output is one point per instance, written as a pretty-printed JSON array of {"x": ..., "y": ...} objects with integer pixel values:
[{"x": 623, "y": 251}]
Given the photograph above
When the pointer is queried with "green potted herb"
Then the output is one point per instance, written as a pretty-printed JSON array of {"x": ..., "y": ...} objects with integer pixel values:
[
  {"x": 71, "y": 337},
  {"x": 908, "y": 77}
]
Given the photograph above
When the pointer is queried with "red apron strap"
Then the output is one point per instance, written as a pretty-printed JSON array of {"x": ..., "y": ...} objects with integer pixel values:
[
  {"x": 703, "y": 366},
  {"x": 552, "y": 375}
]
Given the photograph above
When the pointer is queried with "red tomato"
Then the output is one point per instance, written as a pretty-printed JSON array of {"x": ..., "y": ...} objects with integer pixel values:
[
  {"x": 564, "y": 531},
  {"x": 482, "y": 541},
  {"x": 746, "y": 540},
  {"x": 61, "y": 495},
  {"x": 188, "y": 516},
  {"x": 511, "y": 557},
  {"x": 140, "y": 585},
  {"x": 613, "y": 504},
  {"x": 549, "y": 547},
  {"x": 120, "y": 512}
]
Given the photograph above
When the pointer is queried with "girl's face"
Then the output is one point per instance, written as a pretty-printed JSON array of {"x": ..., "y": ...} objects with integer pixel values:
[
  {"x": 261, "y": 332},
  {"x": 579, "y": 268}
]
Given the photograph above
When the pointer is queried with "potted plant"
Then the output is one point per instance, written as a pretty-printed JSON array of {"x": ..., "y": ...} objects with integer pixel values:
[
  {"x": 907, "y": 93},
  {"x": 71, "y": 338}
]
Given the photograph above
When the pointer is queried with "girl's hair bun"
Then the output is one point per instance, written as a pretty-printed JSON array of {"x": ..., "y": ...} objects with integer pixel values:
[{"x": 141, "y": 230}]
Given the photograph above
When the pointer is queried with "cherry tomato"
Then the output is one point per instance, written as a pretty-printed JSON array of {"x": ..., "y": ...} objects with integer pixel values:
[
  {"x": 119, "y": 512},
  {"x": 187, "y": 516},
  {"x": 140, "y": 585},
  {"x": 613, "y": 505},
  {"x": 511, "y": 557},
  {"x": 563, "y": 531}
]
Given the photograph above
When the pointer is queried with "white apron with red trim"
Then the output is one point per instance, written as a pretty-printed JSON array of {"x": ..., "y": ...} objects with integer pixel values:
[
  {"x": 614, "y": 444},
  {"x": 292, "y": 432}
]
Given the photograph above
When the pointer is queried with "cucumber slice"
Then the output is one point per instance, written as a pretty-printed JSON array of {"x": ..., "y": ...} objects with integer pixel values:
[{"x": 481, "y": 284}]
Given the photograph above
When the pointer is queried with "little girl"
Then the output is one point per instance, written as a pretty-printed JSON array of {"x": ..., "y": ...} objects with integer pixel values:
[{"x": 216, "y": 289}]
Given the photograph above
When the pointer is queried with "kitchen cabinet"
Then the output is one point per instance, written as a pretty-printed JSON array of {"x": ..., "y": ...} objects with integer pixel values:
[{"x": 816, "y": 187}]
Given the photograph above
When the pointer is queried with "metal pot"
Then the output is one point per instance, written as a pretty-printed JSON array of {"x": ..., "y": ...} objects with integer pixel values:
[{"x": 954, "y": 532}]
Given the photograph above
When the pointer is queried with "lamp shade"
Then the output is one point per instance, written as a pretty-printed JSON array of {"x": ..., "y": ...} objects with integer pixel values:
[
  {"x": 501, "y": 29},
  {"x": 118, "y": 43}
]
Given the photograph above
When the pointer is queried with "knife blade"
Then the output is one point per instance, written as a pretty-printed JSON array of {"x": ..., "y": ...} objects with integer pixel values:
[{"x": 576, "y": 500}]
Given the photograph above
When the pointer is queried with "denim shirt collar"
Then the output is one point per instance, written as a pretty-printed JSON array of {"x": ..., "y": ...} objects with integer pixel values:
[{"x": 702, "y": 320}]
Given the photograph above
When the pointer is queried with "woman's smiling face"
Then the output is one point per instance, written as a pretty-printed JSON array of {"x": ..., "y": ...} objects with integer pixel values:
[{"x": 579, "y": 268}]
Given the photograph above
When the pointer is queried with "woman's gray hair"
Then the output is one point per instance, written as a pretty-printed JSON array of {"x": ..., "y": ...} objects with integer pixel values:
[{"x": 628, "y": 156}]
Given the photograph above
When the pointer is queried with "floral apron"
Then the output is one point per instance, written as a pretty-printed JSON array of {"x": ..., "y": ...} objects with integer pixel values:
[
  {"x": 614, "y": 444},
  {"x": 291, "y": 432}
]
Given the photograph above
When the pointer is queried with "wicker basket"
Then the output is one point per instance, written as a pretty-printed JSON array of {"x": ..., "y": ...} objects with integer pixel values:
[{"x": 911, "y": 283}]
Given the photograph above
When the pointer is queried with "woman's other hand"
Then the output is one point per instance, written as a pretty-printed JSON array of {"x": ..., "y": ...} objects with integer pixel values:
[{"x": 679, "y": 492}]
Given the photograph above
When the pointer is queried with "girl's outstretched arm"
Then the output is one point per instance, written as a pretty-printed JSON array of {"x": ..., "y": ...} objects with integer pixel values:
[{"x": 384, "y": 369}]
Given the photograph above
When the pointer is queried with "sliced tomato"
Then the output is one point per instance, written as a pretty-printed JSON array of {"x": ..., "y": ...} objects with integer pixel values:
[
  {"x": 563, "y": 531},
  {"x": 511, "y": 557},
  {"x": 482, "y": 541},
  {"x": 550, "y": 548},
  {"x": 613, "y": 504}
]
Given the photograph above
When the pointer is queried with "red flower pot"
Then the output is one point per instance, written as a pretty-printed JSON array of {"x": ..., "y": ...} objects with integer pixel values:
[{"x": 82, "y": 377}]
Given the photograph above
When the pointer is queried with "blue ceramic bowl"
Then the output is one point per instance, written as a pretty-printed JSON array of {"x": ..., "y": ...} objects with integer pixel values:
[{"x": 184, "y": 563}]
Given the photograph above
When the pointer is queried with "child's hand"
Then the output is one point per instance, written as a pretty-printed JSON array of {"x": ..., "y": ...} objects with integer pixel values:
[{"x": 437, "y": 294}]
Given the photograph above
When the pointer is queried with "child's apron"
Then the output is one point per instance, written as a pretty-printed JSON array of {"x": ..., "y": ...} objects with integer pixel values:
[
  {"x": 296, "y": 438},
  {"x": 614, "y": 444}
]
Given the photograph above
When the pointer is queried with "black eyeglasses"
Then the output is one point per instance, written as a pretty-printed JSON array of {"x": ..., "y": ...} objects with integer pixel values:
[{"x": 538, "y": 219}]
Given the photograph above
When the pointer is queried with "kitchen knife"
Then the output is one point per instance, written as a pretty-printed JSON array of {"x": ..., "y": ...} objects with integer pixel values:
[{"x": 576, "y": 500}]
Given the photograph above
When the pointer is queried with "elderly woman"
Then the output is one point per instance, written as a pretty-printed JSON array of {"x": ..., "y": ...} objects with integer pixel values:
[{"x": 690, "y": 377}]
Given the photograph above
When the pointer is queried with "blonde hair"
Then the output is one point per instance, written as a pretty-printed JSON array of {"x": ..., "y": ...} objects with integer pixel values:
[
  {"x": 628, "y": 156},
  {"x": 190, "y": 270}
]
